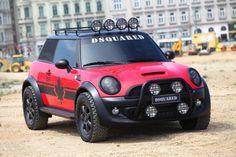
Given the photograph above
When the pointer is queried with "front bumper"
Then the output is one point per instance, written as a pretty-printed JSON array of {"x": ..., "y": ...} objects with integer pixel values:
[{"x": 166, "y": 112}]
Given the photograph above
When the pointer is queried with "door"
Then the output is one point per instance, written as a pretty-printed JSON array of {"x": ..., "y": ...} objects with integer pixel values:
[
  {"x": 44, "y": 78},
  {"x": 65, "y": 84}
]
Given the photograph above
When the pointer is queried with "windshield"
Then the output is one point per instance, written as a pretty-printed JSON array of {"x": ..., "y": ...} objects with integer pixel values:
[{"x": 119, "y": 49}]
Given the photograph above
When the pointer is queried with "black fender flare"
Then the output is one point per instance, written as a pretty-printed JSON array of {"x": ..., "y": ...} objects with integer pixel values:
[
  {"x": 30, "y": 81},
  {"x": 207, "y": 101},
  {"x": 100, "y": 107}
]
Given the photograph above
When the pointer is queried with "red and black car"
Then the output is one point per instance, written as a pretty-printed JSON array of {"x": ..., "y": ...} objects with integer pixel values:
[{"x": 112, "y": 74}]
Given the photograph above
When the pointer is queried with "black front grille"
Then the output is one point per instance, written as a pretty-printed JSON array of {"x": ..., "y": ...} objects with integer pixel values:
[{"x": 143, "y": 93}]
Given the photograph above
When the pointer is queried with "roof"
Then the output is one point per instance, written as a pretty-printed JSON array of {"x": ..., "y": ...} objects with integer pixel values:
[{"x": 83, "y": 34}]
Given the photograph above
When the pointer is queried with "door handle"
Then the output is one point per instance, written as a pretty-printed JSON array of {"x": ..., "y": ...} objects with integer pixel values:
[{"x": 48, "y": 72}]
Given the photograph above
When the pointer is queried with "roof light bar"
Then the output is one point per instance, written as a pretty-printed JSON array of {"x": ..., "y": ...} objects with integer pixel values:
[
  {"x": 121, "y": 24},
  {"x": 133, "y": 23},
  {"x": 109, "y": 24},
  {"x": 96, "y": 26}
]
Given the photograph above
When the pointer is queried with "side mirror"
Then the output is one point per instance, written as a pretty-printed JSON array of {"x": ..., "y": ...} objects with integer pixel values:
[
  {"x": 170, "y": 55},
  {"x": 63, "y": 64}
]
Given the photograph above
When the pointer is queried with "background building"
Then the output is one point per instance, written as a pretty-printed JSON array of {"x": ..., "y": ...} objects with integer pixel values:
[
  {"x": 171, "y": 19},
  {"x": 37, "y": 19},
  {"x": 8, "y": 37},
  {"x": 164, "y": 20}
]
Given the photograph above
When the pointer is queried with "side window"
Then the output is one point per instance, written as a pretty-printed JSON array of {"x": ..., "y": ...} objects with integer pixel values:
[
  {"x": 66, "y": 49},
  {"x": 48, "y": 50}
]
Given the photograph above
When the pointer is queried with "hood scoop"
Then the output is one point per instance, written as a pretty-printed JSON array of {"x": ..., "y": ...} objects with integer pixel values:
[{"x": 153, "y": 73}]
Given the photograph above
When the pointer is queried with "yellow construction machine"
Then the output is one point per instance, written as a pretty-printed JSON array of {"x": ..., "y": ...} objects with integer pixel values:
[{"x": 18, "y": 64}]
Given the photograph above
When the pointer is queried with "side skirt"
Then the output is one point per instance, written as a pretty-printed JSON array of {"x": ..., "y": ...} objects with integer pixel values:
[{"x": 58, "y": 112}]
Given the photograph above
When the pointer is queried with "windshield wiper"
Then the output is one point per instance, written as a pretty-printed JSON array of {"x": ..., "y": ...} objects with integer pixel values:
[
  {"x": 101, "y": 63},
  {"x": 142, "y": 60}
]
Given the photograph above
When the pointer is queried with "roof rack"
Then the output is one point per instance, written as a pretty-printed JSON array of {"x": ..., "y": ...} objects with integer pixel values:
[
  {"x": 97, "y": 26},
  {"x": 72, "y": 30}
]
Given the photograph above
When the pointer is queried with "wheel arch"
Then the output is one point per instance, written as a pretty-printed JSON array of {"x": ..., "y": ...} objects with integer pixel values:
[
  {"x": 90, "y": 88},
  {"x": 30, "y": 81}
]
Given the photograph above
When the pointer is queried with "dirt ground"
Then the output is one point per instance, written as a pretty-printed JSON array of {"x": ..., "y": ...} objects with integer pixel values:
[{"x": 164, "y": 139}]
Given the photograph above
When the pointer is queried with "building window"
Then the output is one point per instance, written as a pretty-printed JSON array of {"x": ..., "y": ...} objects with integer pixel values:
[
  {"x": 54, "y": 10},
  {"x": 196, "y": 15},
  {"x": 159, "y": 2},
  {"x": 160, "y": 19},
  {"x": 66, "y": 9},
  {"x": 172, "y": 18},
  {"x": 234, "y": 11},
  {"x": 185, "y": 33},
  {"x": 117, "y": 4},
  {"x": 77, "y": 8},
  {"x": 211, "y": 29},
  {"x": 162, "y": 36},
  {"x": 78, "y": 23},
  {"x": 198, "y": 30},
  {"x": 28, "y": 31},
  {"x": 43, "y": 30},
  {"x": 171, "y": 1},
  {"x": 19, "y": 13},
  {"x": 56, "y": 26},
  {"x": 41, "y": 11},
  {"x": 136, "y": 3},
  {"x": 173, "y": 35},
  {"x": 223, "y": 28},
  {"x": 27, "y": 14},
  {"x": 1, "y": 20},
  {"x": 222, "y": 12},
  {"x": 183, "y": 16},
  {"x": 88, "y": 7},
  {"x": 182, "y": 1},
  {"x": 148, "y": 3},
  {"x": 209, "y": 14},
  {"x": 2, "y": 37},
  {"x": 99, "y": 6},
  {"x": 67, "y": 24},
  {"x": 149, "y": 20}
]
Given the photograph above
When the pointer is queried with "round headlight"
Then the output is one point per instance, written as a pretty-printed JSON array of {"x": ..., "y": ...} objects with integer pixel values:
[
  {"x": 110, "y": 85},
  {"x": 195, "y": 76},
  {"x": 154, "y": 89},
  {"x": 133, "y": 23},
  {"x": 109, "y": 24},
  {"x": 177, "y": 87},
  {"x": 121, "y": 23},
  {"x": 96, "y": 25}
]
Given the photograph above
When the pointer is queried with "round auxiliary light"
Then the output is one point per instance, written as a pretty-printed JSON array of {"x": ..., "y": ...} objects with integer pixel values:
[
  {"x": 121, "y": 24},
  {"x": 151, "y": 111},
  {"x": 154, "y": 89},
  {"x": 182, "y": 108},
  {"x": 109, "y": 24},
  {"x": 133, "y": 23},
  {"x": 96, "y": 26},
  {"x": 177, "y": 87}
]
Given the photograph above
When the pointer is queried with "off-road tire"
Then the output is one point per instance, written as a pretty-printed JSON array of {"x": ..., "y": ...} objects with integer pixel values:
[
  {"x": 15, "y": 68},
  {"x": 39, "y": 120},
  {"x": 199, "y": 123},
  {"x": 97, "y": 131}
]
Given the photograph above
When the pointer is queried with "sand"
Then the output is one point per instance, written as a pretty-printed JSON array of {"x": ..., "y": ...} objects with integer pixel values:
[{"x": 164, "y": 139}]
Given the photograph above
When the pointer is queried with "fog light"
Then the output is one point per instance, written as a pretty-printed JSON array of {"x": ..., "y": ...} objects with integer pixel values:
[
  {"x": 177, "y": 87},
  {"x": 182, "y": 108},
  {"x": 115, "y": 111},
  {"x": 198, "y": 102},
  {"x": 154, "y": 89},
  {"x": 151, "y": 111}
]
